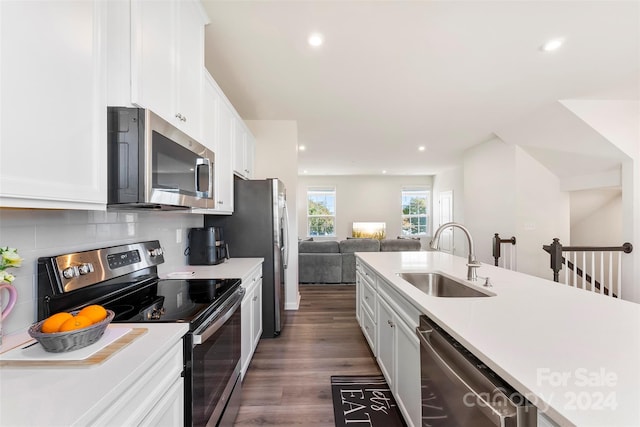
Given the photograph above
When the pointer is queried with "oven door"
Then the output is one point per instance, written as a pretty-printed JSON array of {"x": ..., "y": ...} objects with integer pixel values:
[{"x": 212, "y": 372}]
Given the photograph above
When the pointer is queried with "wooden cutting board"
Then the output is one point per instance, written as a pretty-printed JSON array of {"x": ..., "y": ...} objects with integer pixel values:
[{"x": 94, "y": 358}]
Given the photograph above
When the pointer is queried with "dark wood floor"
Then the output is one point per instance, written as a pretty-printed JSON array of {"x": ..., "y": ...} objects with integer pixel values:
[{"x": 289, "y": 379}]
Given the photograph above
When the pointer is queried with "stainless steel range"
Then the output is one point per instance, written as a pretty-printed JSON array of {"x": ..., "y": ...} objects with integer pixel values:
[{"x": 125, "y": 279}]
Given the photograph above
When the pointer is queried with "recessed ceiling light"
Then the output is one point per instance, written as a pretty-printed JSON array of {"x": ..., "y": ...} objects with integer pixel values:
[
  {"x": 301, "y": 147},
  {"x": 421, "y": 148},
  {"x": 384, "y": 171},
  {"x": 552, "y": 45},
  {"x": 315, "y": 39}
]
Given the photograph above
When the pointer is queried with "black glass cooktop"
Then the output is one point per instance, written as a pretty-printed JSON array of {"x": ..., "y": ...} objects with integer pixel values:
[{"x": 173, "y": 300}]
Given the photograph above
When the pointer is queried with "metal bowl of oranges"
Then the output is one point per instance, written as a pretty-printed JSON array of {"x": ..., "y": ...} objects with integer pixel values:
[{"x": 64, "y": 331}]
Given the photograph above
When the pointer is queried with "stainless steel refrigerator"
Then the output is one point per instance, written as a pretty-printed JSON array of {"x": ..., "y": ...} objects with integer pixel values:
[{"x": 258, "y": 227}]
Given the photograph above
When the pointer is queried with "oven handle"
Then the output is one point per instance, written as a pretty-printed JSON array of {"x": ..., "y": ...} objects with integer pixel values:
[
  {"x": 235, "y": 300},
  {"x": 461, "y": 372}
]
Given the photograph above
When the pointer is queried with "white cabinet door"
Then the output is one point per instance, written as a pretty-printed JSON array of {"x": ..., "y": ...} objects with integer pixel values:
[
  {"x": 251, "y": 325},
  {"x": 167, "y": 49},
  {"x": 169, "y": 411},
  {"x": 52, "y": 104},
  {"x": 224, "y": 159},
  {"x": 249, "y": 154},
  {"x": 358, "y": 295},
  {"x": 256, "y": 327},
  {"x": 239, "y": 144},
  {"x": 216, "y": 136},
  {"x": 190, "y": 63},
  {"x": 246, "y": 334},
  {"x": 407, "y": 386},
  {"x": 244, "y": 146},
  {"x": 153, "y": 51},
  {"x": 153, "y": 395},
  {"x": 386, "y": 340}
]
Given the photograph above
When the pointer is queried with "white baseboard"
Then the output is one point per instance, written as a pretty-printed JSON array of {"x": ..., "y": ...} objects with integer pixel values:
[{"x": 293, "y": 306}]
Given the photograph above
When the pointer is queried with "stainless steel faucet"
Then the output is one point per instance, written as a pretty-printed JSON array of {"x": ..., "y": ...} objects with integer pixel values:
[{"x": 472, "y": 263}]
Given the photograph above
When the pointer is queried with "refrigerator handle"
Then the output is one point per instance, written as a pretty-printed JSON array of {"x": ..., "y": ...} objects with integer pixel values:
[{"x": 285, "y": 236}]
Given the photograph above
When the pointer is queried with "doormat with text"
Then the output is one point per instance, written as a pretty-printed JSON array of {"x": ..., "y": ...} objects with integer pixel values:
[{"x": 364, "y": 401}]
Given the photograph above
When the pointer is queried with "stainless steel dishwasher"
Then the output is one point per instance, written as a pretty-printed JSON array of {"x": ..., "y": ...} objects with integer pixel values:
[{"x": 459, "y": 390}]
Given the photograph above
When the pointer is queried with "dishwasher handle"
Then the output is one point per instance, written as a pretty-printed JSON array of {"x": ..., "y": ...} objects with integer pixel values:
[{"x": 466, "y": 373}]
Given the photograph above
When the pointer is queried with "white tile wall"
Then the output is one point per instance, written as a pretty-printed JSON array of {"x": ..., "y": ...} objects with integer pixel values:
[{"x": 37, "y": 233}]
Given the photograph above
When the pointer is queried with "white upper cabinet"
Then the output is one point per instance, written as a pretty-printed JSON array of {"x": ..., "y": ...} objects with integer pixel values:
[
  {"x": 243, "y": 150},
  {"x": 167, "y": 58},
  {"x": 53, "y": 104},
  {"x": 217, "y": 120}
]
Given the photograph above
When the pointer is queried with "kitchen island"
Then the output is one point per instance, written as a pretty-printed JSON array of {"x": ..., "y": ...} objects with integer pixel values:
[{"x": 574, "y": 354}]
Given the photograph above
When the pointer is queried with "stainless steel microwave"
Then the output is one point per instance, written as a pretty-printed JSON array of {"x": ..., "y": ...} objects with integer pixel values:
[{"x": 154, "y": 165}]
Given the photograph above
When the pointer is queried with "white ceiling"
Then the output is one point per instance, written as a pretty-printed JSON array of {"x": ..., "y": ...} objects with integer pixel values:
[{"x": 393, "y": 75}]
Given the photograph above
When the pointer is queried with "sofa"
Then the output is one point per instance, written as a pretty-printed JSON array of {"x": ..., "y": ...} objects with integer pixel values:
[{"x": 335, "y": 262}]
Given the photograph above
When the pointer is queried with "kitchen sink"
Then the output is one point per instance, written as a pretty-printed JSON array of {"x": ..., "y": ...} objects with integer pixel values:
[{"x": 439, "y": 285}]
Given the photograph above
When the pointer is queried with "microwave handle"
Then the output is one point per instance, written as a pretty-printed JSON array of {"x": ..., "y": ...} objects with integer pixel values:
[{"x": 200, "y": 161}]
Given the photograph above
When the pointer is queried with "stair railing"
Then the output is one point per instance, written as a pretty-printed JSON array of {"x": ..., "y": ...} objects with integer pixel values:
[
  {"x": 604, "y": 263},
  {"x": 509, "y": 247}
]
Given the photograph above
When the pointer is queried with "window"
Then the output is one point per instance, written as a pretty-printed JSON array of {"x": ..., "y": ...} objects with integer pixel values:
[
  {"x": 321, "y": 212},
  {"x": 415, "y": 212}
]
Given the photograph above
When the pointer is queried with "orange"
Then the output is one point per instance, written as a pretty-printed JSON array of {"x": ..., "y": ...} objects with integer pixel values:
[
  {"x": 76, "y": 322},
  {"x": 95, "y": 313},
  {"x": 53, "y": 322}
]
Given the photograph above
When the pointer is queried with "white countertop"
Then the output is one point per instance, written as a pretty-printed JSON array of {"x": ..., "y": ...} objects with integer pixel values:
[
  {"x": 66, "y": 396},
  {"x": 57, "y": 396},
  {"x": 573, "y": 353},
  {"x": 229, "y": 269}
]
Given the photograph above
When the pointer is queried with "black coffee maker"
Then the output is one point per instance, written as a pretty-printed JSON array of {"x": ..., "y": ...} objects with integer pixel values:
[{"x": 206, "y": 246}]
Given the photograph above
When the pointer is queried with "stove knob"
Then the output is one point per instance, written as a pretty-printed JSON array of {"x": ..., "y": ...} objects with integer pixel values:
[
  {"x": 85, "y": 268},
  {"x": 155, "y": 252},
  {"x": 69, "y": 273}
]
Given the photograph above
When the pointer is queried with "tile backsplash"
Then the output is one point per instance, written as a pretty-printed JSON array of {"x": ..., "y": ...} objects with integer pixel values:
[{"x": 37, "y": 233}]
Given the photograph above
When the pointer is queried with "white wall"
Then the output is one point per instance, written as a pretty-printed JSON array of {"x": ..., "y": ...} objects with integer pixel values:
[
  {"x": 489, "y": 194},
  {"x": 37, "y": 233},
  {"x": 542, "y": 213},
  {"x": 277, "y": 157},
  {"x": 451, "y": 180},
  {"x": 602, "y": 227},
  {"x": 361, "y": 198},
  {"x": 508, "y": 192},
  {"x": 619, "y": 122}
]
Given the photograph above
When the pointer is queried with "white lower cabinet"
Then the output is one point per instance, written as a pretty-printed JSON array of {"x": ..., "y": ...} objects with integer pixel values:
[
  {"x": 156, "y": 398},
  {"x": 393, "y": 339},
  {"x": 386, "y": 334},
  {"x": 251, "y": 311},
  {"x": 169, "y": 411}
]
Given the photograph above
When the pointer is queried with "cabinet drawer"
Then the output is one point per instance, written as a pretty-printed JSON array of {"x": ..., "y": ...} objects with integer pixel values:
[
  {"x": 249, "y": 281},
  {"x": 368, "y": 275},
  {"x": 369, "y": 299},
  {"x": 139, "y": 400},
  {"x": 403, "y": 308},
  {"x": 368, "y": 328}
]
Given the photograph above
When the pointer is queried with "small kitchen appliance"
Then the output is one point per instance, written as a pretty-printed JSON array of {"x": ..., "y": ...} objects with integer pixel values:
[
  {"x": 206, "y": 246},
  {"x": 124, "y": 279}
]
